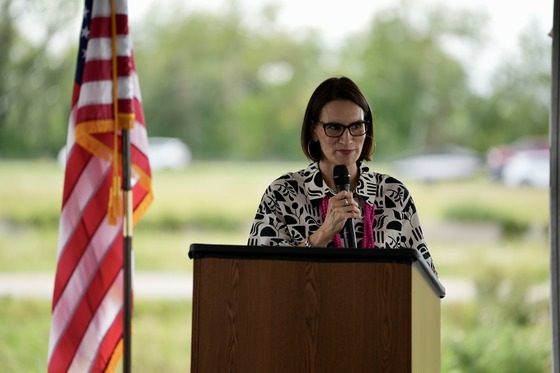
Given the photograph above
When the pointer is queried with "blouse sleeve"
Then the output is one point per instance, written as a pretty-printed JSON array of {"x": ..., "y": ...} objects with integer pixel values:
[
  {"x": 412, "y": 233},
  {"x": 269, "y": 227}
]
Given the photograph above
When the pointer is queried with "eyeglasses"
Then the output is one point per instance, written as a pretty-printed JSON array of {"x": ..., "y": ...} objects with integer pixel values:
[{"x": 333, "y": 129}]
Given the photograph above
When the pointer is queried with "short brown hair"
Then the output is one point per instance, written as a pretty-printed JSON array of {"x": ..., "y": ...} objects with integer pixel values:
[{"x": 336, "y": 88}]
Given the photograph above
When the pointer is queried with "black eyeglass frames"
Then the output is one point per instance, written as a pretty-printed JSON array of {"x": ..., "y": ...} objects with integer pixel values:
[{"x": 333, "y": 129}]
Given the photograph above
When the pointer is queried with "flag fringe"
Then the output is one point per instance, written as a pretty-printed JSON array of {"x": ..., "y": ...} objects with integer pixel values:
[{"x": 115, "y": 208}]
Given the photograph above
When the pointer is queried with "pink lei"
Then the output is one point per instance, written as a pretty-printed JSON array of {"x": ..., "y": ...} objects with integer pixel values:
[{"x": 368, "y": 241}]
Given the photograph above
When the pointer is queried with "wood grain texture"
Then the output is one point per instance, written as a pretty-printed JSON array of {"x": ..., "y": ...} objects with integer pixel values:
[{"x": 254, "y": 315}]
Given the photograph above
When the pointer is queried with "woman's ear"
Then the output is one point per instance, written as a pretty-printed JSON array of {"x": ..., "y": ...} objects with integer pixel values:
[{"x": 314, "y": 131}]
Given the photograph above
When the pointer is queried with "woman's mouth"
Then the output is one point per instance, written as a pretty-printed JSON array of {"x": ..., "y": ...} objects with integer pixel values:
[{"x": 346, "y": 151}]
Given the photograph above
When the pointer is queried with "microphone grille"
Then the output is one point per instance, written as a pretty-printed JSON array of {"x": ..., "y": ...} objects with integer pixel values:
[{"x": 341, "y": 175}]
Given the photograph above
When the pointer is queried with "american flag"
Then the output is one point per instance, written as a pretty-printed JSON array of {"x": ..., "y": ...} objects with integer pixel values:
[{"x": 87, "y": 310}]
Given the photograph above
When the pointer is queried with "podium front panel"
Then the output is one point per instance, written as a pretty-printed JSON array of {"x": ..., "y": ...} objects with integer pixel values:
[{"x": 299, "y": 315}]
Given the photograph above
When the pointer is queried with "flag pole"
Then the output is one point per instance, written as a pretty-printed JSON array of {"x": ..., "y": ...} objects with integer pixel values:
[
  {"x": 126, "y": 202},
  {"x": 127, "y": 251}
]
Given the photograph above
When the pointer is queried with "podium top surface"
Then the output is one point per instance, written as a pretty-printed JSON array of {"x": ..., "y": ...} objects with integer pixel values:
[{"x": 404, "y": 256}]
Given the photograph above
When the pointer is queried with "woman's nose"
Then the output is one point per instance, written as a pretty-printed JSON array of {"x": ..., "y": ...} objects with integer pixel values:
[{"x": 346, "y": 137}]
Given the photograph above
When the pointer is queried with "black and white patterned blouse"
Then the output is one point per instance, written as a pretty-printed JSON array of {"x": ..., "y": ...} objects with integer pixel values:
[{"x": 290, "y": 211}]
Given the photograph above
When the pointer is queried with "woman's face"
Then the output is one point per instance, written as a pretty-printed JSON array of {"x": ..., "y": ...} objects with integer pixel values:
[{"x": 345, "y": 149}]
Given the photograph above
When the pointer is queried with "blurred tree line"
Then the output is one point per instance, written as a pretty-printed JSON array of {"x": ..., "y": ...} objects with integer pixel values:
[{"x": 238, "y": 90}]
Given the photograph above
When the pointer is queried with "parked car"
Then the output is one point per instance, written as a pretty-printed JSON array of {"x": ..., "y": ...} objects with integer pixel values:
[
  {"x": 164, "y": 153},
  {"x": 449, "y": 163},
  {"x": 499, "y": 156},
  {"x": 168, "y": 153},
  {"x": 528, "y": 167}
]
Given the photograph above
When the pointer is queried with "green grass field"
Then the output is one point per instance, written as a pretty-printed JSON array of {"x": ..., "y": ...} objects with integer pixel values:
[{"x": 503, "y": 330}]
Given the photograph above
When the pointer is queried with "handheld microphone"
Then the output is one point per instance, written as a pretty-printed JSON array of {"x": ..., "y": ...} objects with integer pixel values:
[{"x": 341, "y": 178}]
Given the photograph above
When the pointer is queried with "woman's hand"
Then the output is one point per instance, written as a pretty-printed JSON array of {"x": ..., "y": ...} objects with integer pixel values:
[{"x": 341, "y": 208}]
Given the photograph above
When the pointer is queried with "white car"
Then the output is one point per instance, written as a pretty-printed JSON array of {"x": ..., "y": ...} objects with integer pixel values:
[
  {"x": 528, "y": 167},
  {"x": 449, "y": 164},
  {"x": 168, "y": 153}
]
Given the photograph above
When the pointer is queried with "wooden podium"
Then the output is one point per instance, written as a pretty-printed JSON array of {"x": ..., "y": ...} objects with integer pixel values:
[{"x": 286, "y": 309}]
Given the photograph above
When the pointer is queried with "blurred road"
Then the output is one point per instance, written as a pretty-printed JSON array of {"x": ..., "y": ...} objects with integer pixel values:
[
  {"x": 173, "y": 286},
  {"x": 147, "y": 285}
]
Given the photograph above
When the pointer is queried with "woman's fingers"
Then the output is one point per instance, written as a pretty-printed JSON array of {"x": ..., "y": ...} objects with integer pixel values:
[
  {"x": 344, "y": 207},
  {"x": 344, "y": 200}
]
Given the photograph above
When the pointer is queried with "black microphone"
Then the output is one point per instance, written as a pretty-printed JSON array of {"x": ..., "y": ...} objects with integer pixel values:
[{"x": 341, "y": 178}]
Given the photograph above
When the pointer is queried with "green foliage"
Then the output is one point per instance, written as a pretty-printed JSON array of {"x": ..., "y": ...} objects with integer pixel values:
[
  {"x": 207, "y": 221},
  {"x": 471, "y": 211},
  {"x": 504, "y": 330},
  {"x": 22, "y": 346},
  {"x": 501, "y": 348},
  {"x": 518, "y": 104},
  {"x": 215, "y": 92},
  {"x": 162, "y": 336},
  {"x": 415, "y": 87},
  {"x": 35, "y": 84}
]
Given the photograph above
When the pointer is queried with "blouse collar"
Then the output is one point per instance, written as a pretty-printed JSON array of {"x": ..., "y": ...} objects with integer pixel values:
[{"x": 317, "y": 189}]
